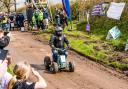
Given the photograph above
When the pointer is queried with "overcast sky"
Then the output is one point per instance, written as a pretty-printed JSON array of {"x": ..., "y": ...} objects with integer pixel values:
[
  {"x": 20, "y": 3},
  {"x": 52, "y": 1}
]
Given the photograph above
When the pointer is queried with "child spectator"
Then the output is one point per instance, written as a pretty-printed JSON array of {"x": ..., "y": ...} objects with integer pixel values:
[{"x": 20, "y": 81}]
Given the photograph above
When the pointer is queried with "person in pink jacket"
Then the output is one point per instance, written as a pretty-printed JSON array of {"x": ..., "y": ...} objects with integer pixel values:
[{"x": 5, "y": 77}]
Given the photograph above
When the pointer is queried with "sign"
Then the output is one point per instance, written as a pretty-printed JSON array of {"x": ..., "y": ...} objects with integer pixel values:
[
  {"x": 97, "y": 9},
  {"x": 88, "y": 27},
  {"x": 114, "y": 33},
  {"x": 105, "y": 7},
  {"x": 115, "y": 10}
]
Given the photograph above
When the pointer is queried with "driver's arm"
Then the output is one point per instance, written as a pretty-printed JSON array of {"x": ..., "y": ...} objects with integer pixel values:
[
  {"x": 51, "y": 42},
  {"x": 66, "y": 41}
]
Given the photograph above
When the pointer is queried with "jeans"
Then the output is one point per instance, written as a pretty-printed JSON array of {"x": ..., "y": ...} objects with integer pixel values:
[
  {"x": 57, "y": 21},
  {"x": 5, "y": 26}
]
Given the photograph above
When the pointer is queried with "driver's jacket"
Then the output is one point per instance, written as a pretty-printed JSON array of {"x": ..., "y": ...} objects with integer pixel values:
[{"x": 58, "y": 42}]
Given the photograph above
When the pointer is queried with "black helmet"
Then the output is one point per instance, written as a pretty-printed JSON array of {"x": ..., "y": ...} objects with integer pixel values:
[{"x": 58, "y": 31}]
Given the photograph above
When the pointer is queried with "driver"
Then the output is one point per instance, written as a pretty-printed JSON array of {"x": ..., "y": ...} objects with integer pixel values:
[{"x": 58, "y": 41}]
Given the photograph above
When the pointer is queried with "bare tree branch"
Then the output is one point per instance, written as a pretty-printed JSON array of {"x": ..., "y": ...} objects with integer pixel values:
[{"x": 6, "y": 3}]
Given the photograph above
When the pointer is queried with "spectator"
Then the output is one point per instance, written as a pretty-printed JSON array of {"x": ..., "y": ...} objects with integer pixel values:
[
  {"x": 21, "y": 20},
  {"x": 45, "y": 18},
  {"x": 57, "y": 17},
  {"x": 29, "y": 13},
  {"x": 18, "y": 20},
  {"x": 5, "y": 22},
  {"x": 4, "y": 39},
  {"x": 5, "y": 77},
  {"x": 63, "y": 18},
  {"x": 20, "y": 81},
  {"x": 40, "y": 19},
  {"x": 36, "y": 14},
  {"x": 11, "y": 20}
]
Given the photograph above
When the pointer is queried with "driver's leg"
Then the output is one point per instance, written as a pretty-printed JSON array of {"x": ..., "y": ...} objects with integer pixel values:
[
  {"x": 66, "y": 53},
  {"x": 55, "y": 54}
]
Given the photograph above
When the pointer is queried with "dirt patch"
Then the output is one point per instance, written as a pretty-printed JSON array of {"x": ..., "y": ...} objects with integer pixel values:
[{"x": 118, "y": 56}]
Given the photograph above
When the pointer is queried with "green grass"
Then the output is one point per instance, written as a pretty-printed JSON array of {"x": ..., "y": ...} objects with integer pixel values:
[{"x": 81, "y": 47}]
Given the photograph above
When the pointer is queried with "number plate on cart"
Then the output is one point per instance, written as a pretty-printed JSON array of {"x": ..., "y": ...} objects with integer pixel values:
[{"x": 63, "y": 59}]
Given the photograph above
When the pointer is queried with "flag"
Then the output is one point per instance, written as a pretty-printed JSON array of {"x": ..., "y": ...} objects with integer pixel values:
[
  {"x": 97, "y": 9},
  {"x": 115, "y": 10},
  {"x": 66, "y": 6}
]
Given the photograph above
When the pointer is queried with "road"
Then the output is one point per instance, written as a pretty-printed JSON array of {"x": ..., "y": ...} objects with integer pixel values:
[{"x": 87, "y": 75}]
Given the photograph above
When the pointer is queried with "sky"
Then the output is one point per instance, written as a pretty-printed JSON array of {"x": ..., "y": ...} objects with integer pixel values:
[
  {"x": 55, "y": 1},
  {"x": 20, "y": 3}
]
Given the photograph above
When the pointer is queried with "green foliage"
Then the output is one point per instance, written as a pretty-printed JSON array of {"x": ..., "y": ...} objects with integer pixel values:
[
  {"x": 75, "y": 10},
  {"x": 115, "y": 65},
  {"x": 119, "y": 65},
  {"x": 100, "y": 55},
  {"x": 81, "y": 47}
]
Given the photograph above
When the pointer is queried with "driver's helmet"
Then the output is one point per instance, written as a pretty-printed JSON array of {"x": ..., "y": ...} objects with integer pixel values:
[{"x": 58, "y": 31}]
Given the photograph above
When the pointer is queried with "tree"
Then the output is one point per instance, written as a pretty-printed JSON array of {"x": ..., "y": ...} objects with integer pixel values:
[{"x": 7, "y": 4}]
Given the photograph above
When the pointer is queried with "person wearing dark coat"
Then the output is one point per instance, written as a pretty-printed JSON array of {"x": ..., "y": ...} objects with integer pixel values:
[
  {"x": 11, "y": 18},
  {"x": 18, "y": 20},
  {"x": 29, "y": 13},
  {"x": 21, "y": 19}
]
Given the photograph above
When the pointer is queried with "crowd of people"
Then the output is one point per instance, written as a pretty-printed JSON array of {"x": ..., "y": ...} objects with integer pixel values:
[
  {"x": 41, "y": 17},
  {"x": 36, "y": 19},
  {"x": 9, "y": 21}
]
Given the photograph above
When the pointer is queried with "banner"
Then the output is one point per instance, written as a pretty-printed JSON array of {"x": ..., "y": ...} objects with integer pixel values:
[
  {"x": 97, "y": 9},
  {"x": 100, "y": 9},
  {"x": 115, "y": 10},
  {"x": 114, "y": 33},
  {"x": 66, "y": 6}
]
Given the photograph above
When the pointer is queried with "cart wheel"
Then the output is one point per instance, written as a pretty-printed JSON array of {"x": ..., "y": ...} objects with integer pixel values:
[
  {"x": 71, "y": 67},
  {"x": 47, "y": 62},
  {"x": 54, "y": 68}
]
